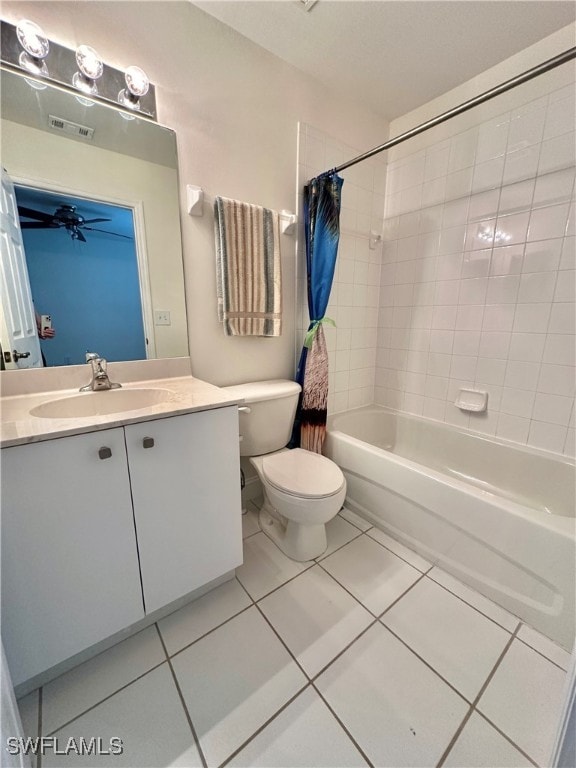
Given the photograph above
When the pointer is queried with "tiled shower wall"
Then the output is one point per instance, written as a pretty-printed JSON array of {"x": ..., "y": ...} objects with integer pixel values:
[
  {"x": 355, "y": 291},
  {"x": 477, "y": 276}
]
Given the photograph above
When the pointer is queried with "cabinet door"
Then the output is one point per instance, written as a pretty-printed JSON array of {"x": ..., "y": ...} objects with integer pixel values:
[
  {"x": 186, "y": 492},
  {"x": 70, "y": 573}
]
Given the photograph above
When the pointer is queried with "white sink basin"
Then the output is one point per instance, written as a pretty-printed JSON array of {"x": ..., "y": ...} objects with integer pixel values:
[{"x": 100, "y": 403}]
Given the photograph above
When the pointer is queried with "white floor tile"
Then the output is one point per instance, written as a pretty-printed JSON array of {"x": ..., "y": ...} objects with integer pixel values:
[
  {"x": 305, "y": 734},
  {"x": 315, "y": 617},
  {"x": 186, "y": 625},
  {"x": 250, "y": 522},
  {"x": 481, "y": 746},
  {"x": 458, "y": 642},
  {"x": 524, "y": 699},
  {"x": 265, "y": 567},
  {"x": 149, "y": 718},
  {"x": 84, "y": 686},
  {"x": 355, "y": 519},
  {"x": 399, "y": 712},
  {"x": 371, "y": 573},
  {"x": 470, "y": 596},
  {"x": 234, "y": 680},
  {"x": 545, "y": 646},
  {"x": 338, "y": 533},
  {"x": 411, "y": 557}
]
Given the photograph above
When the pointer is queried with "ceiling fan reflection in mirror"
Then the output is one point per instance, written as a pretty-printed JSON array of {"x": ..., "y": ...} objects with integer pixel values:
[{"x": 65, "y": 217}]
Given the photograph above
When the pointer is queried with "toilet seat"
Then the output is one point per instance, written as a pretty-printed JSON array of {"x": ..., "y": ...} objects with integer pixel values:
[{"x": 303, "y": 474}]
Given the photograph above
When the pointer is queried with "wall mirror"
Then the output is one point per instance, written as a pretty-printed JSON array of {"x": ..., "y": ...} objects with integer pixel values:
[{"x": 96, "y": 190}]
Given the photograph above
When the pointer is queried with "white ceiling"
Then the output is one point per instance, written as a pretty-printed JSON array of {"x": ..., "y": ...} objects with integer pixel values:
[{"x": 393, "y": 55}]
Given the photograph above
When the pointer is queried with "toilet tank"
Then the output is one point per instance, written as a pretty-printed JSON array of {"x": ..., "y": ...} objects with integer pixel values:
[{"x": 267, "y": 426}]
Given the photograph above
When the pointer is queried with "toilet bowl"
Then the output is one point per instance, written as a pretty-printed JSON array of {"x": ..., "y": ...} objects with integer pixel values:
[{"x": 302, "y": 490}]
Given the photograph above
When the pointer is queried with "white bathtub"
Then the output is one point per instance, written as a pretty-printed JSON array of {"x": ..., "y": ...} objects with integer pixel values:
[{"x": 498, "y": 516}]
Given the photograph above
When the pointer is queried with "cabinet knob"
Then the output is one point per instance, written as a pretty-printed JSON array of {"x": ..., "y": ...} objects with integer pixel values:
[
  {"x": 104, "y": 452},
  {"x": 148, "y": 442}
]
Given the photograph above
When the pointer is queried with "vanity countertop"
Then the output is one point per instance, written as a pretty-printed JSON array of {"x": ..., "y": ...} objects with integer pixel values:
[{"x": 185, "y": 395}]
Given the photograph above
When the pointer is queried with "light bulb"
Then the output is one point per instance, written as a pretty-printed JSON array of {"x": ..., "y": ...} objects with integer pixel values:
[
  {"x": 36, "y": 47},
  {"x": 32, "y": 39},
  {"x": 89, "y": 62},
  {"x": 137, "y": 85},
  {"x": 137, "y": 81}
]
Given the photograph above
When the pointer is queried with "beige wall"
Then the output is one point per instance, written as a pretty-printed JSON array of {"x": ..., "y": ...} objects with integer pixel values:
[{"x": 235, "y": 109}]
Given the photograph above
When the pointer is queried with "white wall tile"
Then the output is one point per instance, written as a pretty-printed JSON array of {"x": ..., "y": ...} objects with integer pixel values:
[
  {"x": 516, "y": 197},
  {"x": 548, "y": 222},
  {"x": 507, "y": 260},
  {"x": 542, "y": 256},
  {"x": 554, "y": 409},
  {"x": 557, "y": 380},
  {"x": 517, "y": 402},
  {"x": 550, "y": 437},
  {"x": 483, "y": 287},
  {"x": 513, "y": 428},
  {"x": 527, "y": 347},
  {"x": 522, "y": 375},
  {"x": 531, "y": 318}
]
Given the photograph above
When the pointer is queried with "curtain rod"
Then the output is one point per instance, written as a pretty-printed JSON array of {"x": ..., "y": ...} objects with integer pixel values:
[{"x": 540, "y": 69}]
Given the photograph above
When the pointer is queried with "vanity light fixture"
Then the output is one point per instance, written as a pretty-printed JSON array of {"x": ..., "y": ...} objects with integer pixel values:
[
  {"x": 36, "y": 46},
  {"x": 137, "y": 84},
  {"x": 91, "y": 68},
  {"x": 80, "y": 70}
]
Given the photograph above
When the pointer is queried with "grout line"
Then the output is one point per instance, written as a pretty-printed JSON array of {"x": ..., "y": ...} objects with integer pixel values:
[
  {"x": 354, "y": 524},
  {"x": 182, "y": 701},
  {"x": 319, "y": 559},
  {"x": 463, "y": 600},
  {"x": 477, "y": 699},
  {"x": 426, "y": 663},
  {"x": 97, "y": 704},
  {"x": 543, "y": 654},
  {"x": 418, "y": 580},
  {"x": 396, "y": 554},
  {"x": 264, "y": 725},
  {"x": 508, "y": 739},
  {"x": 343, "y": 651},
  {"x": 245, "y": 590},
  {"x": 346, "y": 731},
  {"x": 209, "y": 632},
  {"x": 272, "y": 627}
]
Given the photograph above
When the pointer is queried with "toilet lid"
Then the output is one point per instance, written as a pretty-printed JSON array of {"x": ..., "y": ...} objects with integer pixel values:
[{"x": 303, "y": 473}]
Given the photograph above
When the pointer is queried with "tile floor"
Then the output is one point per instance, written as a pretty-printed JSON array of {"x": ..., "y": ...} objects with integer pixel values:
[{"x": 367, "y": 656}]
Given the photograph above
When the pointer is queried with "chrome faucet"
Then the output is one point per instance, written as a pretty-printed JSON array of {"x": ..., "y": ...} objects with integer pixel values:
[{"x": 100, "y": 380}]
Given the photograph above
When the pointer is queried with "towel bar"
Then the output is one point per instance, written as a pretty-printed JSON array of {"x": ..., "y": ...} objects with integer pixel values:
[{"x": 196, "y": 197}]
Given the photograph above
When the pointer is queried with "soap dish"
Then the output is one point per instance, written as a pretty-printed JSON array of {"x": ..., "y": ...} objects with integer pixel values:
[{"x": 474, "y": 400}]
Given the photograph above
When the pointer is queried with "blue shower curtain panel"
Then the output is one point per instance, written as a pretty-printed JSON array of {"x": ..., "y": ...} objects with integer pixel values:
[{"x": 322, "y": 202}]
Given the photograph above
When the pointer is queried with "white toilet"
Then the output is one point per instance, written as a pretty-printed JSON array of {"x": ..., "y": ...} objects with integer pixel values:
[{"x": 302, "y": 490}]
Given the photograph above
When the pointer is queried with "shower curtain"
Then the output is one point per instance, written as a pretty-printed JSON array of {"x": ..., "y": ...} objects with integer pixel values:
[{"x": 322, "y": 198}]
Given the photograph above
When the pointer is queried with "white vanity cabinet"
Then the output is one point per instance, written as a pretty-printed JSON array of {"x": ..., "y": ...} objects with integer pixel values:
[
  {"x": 102, "y": 528},
  {"x": 69, "y": 560},
  {"x": 185, "y": 476}
]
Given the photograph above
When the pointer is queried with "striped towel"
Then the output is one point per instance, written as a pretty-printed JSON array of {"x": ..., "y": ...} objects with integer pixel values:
[{"x": 248, "y": 273}]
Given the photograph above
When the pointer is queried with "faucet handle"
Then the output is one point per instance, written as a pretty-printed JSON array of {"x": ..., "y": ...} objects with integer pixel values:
[{"x": 92, "y": 356}]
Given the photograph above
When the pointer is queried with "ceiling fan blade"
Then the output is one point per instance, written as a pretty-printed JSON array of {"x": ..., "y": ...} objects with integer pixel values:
[
  {"x": 79, "y": 236},
  {"x": 30, "y": 213},
  {"x": 107, "y": 232},
  {"x": 37, "y": 225},
  {"x": 94, "y": 221}
]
